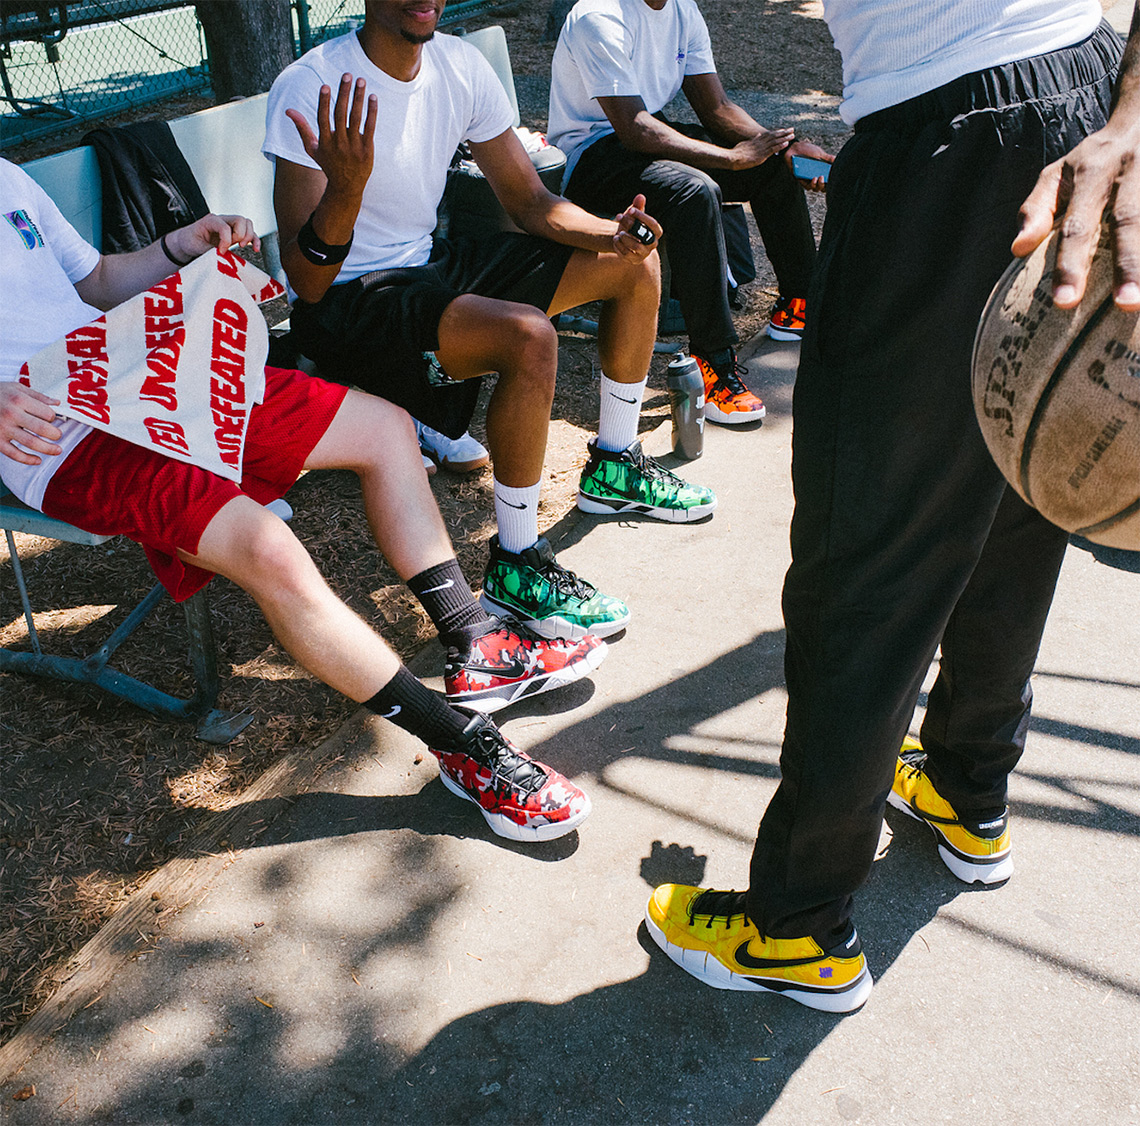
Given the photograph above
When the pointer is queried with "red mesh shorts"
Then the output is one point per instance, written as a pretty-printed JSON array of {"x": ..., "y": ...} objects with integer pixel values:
[{"x": 111, "y": 487}]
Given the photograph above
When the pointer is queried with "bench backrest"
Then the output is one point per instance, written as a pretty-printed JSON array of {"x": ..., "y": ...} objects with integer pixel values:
[
  {"x": 222, "y": 145},
  {"x": 491, "y": 42}
]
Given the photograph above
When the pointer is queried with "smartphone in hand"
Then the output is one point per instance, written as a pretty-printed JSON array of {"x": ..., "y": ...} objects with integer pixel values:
[
  {"x": 806, "y": 168},
  {"x": 642, "y": 233}
]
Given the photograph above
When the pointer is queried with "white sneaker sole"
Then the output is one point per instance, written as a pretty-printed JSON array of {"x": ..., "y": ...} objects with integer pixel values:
[
  {"x": 554, "y": 626},
  {"x": 610, "y": 507},
  {"x": 704, "y": 967},
  {"x": 996, "y": 871},
  {"x": 503, "y": 826},
  {"x": 713, "y": 413},
  {"x": 494, "y": 699},
  {"x": 784, "y": 334}
]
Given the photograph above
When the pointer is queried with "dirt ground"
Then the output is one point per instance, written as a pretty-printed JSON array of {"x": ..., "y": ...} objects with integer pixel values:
[{"x": 94, "y": 793}]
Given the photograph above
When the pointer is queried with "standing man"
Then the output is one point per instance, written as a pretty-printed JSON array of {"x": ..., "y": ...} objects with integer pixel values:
[
  {"x": 905, "y": 535},
  {"x": 382, "y": 305},
  {"x": 617, "y": 64}
]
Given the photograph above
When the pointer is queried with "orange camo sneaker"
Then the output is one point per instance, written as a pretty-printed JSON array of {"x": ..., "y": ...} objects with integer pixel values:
[
  {"x": 977, "y": 852},
  {"x": 787, "y": 321},
  {"x": 727, "y": 398},
  {"x": 708, "y": 934}
]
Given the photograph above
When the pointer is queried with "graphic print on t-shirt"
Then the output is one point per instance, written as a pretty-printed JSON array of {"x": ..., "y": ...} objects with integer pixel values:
[{"x": 25, "y": 228}]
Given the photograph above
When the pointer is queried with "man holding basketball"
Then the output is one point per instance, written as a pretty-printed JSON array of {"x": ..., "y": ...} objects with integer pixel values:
[{"x": 905, "y": 537}]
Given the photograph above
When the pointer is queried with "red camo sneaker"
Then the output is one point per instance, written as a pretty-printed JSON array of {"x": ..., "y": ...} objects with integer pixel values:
[
  {"x": 521, "y": 799},
  {"x": 512, "y": 662}
]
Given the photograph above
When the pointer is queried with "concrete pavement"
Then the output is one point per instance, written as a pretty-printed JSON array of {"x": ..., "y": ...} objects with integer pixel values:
[{"x": 377, "y": 955}]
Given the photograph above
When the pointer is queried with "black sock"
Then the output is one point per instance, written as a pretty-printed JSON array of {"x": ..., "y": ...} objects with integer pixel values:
[
  {"x": 443, "y": 592},
  {"x": 418, "y": 710}
]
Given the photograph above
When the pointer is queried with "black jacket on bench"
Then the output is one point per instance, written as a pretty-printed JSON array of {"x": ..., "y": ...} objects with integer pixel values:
[{"x": 148, "y": 188}]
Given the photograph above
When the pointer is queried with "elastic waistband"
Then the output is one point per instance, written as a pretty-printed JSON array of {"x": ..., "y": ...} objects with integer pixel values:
[{"x": 1026, "y": 80}]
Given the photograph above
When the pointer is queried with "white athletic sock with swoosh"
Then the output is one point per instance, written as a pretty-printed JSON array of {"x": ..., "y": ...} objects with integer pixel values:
[
  {"x": 620, "y": 413},
  {"x": 516, "y": 510}
]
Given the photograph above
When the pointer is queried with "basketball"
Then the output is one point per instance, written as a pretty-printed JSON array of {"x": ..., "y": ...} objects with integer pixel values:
[{"x": 1057, "y": 395}]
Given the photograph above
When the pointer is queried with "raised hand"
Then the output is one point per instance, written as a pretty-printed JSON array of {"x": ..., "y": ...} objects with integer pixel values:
[{"x": 342, "y": 147}]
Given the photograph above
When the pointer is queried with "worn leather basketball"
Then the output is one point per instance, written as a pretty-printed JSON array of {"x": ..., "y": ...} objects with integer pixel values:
[{"x": 1057, "y": 394}]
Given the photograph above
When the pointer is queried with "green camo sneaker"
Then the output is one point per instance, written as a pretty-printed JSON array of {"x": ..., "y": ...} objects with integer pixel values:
[
  {"x": 631, "y": 481},
  {"x": 533, "y": 588}
]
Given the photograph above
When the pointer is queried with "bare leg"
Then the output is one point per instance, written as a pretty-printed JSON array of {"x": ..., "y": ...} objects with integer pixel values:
[
  {"x": 377, "y": 441},
  {"x": 630, "y": 290},
  {"x": 257, "y": 551},
  {"x": 478, "y": 335}
]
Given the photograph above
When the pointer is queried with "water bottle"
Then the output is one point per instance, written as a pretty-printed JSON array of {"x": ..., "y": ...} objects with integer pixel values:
[{"x": 687, "y": 402}]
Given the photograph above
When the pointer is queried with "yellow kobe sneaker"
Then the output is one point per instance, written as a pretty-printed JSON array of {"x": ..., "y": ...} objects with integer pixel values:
[
  {"x": 977, "y": 852},
  {"x": 708, "y": 934}
]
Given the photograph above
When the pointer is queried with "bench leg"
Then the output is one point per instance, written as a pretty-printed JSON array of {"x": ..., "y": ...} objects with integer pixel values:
[{"x": 214, "y": 726}]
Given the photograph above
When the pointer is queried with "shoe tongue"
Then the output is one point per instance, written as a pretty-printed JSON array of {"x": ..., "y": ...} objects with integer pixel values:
[{"x": 539, "y": 554}]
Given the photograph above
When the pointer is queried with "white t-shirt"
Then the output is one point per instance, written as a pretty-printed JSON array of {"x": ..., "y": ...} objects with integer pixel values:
[
  {"x": 616, "y": 49},
  {"x": 43, "y": 258},
  {"x": 894, "y": 50},
  {"x": 455, "y": 97}
]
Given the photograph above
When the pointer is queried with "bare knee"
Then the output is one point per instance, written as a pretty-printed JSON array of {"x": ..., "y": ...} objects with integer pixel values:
[
  {"x": 530, "y": 349},
  {"x": 272, "y": 564}
]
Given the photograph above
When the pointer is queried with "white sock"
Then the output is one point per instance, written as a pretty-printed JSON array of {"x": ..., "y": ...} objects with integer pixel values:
[
  {"x": 516, "y": 511},
  {"x": 620, "y": 413}
]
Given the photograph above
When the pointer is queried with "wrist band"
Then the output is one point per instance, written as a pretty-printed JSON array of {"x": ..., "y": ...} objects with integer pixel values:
[
  {"x": 166, "y": 251},
  {"x": 321, "y": 253}
]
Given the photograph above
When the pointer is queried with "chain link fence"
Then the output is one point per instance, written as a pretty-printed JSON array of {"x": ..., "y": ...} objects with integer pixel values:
[{"x": 68, "y": 63}]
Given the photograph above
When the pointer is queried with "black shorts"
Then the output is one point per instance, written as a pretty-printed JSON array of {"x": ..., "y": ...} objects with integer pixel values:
[{"x": 379, "y": 332}]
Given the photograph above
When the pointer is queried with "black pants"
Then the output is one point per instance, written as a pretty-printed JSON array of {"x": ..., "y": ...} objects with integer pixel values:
[
  {"x": 686, "y": 202},
  {"x": 904, "y": 535}
]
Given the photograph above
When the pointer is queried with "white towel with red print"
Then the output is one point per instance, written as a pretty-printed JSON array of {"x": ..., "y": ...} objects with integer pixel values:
[{"x": 175, "y": 369}]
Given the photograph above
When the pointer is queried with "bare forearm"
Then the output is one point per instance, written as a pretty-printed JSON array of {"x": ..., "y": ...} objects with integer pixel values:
[
  {"x": 334, "y": 219},
  {"x": 119, "y": 277},
  {"x": 647, "y": 134},
  {"x": 555, "y": 218},
  {"x": 729, "y": 124}
]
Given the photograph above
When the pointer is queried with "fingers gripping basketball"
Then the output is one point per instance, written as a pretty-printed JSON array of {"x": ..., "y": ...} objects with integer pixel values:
[{"x": 1057, "y": 395}]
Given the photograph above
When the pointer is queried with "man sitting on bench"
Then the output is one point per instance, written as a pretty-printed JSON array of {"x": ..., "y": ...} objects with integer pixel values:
[
  {"x": 193, "y": 523},
  {"x": 383, "y": 306}
]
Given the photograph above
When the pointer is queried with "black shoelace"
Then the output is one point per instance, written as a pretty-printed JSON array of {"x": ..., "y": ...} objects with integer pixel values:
[
  {"x": 731, "y": 378},
  {"x": 566, "y": 582},
  {"x": 648, "y": 467},
  {"x": 717, "y": 905},
  {"x": 513, "y": 770}
]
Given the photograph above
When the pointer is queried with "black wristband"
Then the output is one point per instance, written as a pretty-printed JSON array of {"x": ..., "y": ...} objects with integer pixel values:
[
  {"x": 321, "y": 253},
  {"x": 166, "y": 251}
]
